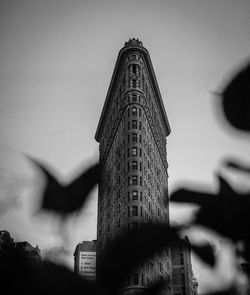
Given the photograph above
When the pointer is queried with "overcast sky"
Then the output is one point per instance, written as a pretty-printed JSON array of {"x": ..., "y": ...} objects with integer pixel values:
[{"x": 56, "y": 62}]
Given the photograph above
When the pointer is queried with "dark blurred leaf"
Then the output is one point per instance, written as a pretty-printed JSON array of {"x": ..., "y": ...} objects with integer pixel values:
[
  {"x": 236, "y": 100},
  {"x": 135, "y": 246},
  {"x": 43, "y": 278},
  {"x": 205, "y": 252},
  {"x": 227, "y": 212},
  {"x": 189, "y": 196},
  {"x": 68, "y": 199},
  {"x": 234, "y": 164}
]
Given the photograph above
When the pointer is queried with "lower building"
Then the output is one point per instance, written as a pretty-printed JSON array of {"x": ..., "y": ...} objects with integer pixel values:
[
  {"x": 85, "y": 259},
  {"x": 183, "y": 279},
  {"x": 10, "y": 250}
]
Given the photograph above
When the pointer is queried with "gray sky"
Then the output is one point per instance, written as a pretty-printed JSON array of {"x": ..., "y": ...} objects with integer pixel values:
[{"x": 56, "y": 62}]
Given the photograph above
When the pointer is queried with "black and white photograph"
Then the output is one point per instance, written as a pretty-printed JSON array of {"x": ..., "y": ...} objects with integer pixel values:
[{"x": 125, "y": 147}]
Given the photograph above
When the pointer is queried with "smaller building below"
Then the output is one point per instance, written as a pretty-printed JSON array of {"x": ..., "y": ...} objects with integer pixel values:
[
  {"x": 184, "y": 282},
  {"x": 85, "y": 260}
]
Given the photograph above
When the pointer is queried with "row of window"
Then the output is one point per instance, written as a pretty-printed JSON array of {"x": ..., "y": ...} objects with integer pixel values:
[
  {"x": 135, "y": 279},
  {"x": 135, "y": 195},
  {"x": 135, "y": 138},
  {"x": 134, "y": 151},
  {"x": 135, "y": 211},
  {"x": 133, "y": 165},
  {"x": 134, "y": 111},
  {"x": 134, "y": 124},
  {"x": 134, "y": 180}
]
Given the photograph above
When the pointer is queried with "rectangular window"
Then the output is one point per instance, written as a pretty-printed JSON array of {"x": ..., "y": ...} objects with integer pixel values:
[
  {"x": 134, "y": 179},
  {"x": 128, "y": 138},
  {"x": 139, "y": 112},
  {"x": 128, "y": 125},
  {"x": 134, "y": 211},
  {"x": 128, "y": 197},
  {"x": 141, "y": 211},
  {"x": 128, "y": 111},
  {"x": 134, "y": 98},
  {"x": 140, "y": 125},
  {"x": 128, "y": 212},
  {"x": 128, "y": 166},
  {"x": 134, "y": 165},
  {"x": 135, "y": 195},
  {"x": 140, "y": 166},
  {"x": 134, "y": 137},
  {"x": 140, "y": 196},
  {"x": 134, "y": 151},
  {"x": 134, "y": 111},
  {"x": 134, "y": 124},
  {"x": 140, "y": 181}
]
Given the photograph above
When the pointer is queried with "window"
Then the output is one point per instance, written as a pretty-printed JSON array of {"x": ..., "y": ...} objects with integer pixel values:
[
  {"x": 134, "y": 179},
  {"x": 128, "y": 138},
  {"x": 134, "y": 98},
  {"x": 129, "y": 153},
  {"x": 134, "y": 137},
  {"x": 128, "y": 111},
  {"x": 134, "y": 83},
  {"x": 134, "y": 211},
  {"x": 140, "y": 166},
  {"x": 140, "y": 181},
  {"x": 135, "y": 279},
  {"x": 128, "y": 166},
  {"x": 128, "y": 196},
  {"x": 140, "y": 196},
  {"x": 142, "y": 279},
  {"x": 134, "y": 68},
  {"x": 128, "y": 212},
  {"x": 134, "y": 165},
  {"x": 141, "y": 211},
  {"x": 140, "y": 125},
  {"x": 134, "y": 151},
  {"x": 134, "y": 111},
  {"x": 135, "y": 195},
  {"x": 139, "y": 112},
  {"x": 128, "y": 125},
  {"x": 134, "y": 124}
]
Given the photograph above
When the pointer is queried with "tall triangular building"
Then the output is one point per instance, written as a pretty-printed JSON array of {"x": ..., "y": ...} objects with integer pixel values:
[{"x": 132, "y": 135}]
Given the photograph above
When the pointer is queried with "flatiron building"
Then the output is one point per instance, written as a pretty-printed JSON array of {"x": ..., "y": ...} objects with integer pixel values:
[{"x": 132, "y": 135}]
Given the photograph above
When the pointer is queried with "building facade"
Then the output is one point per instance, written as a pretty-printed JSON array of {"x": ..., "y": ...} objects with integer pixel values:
[
  {"x": 85, "y": 260},
  {"x": 183, "y": 279},
  {"x": 132, "y": 135},
  {"x": 10, "y": 250}
]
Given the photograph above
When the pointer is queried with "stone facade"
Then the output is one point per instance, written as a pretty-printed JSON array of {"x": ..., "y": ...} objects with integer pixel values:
[
  {"x": 184, "y": 282},
  {"x": 132, "y": 135}
]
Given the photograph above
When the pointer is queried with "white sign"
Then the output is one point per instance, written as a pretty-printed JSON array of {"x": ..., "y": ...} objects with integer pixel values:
[{"x": 87, "y": 265}]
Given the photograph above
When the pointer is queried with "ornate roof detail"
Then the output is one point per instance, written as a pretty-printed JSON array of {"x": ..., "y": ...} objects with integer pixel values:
[{"x": 133, "y": 42}]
